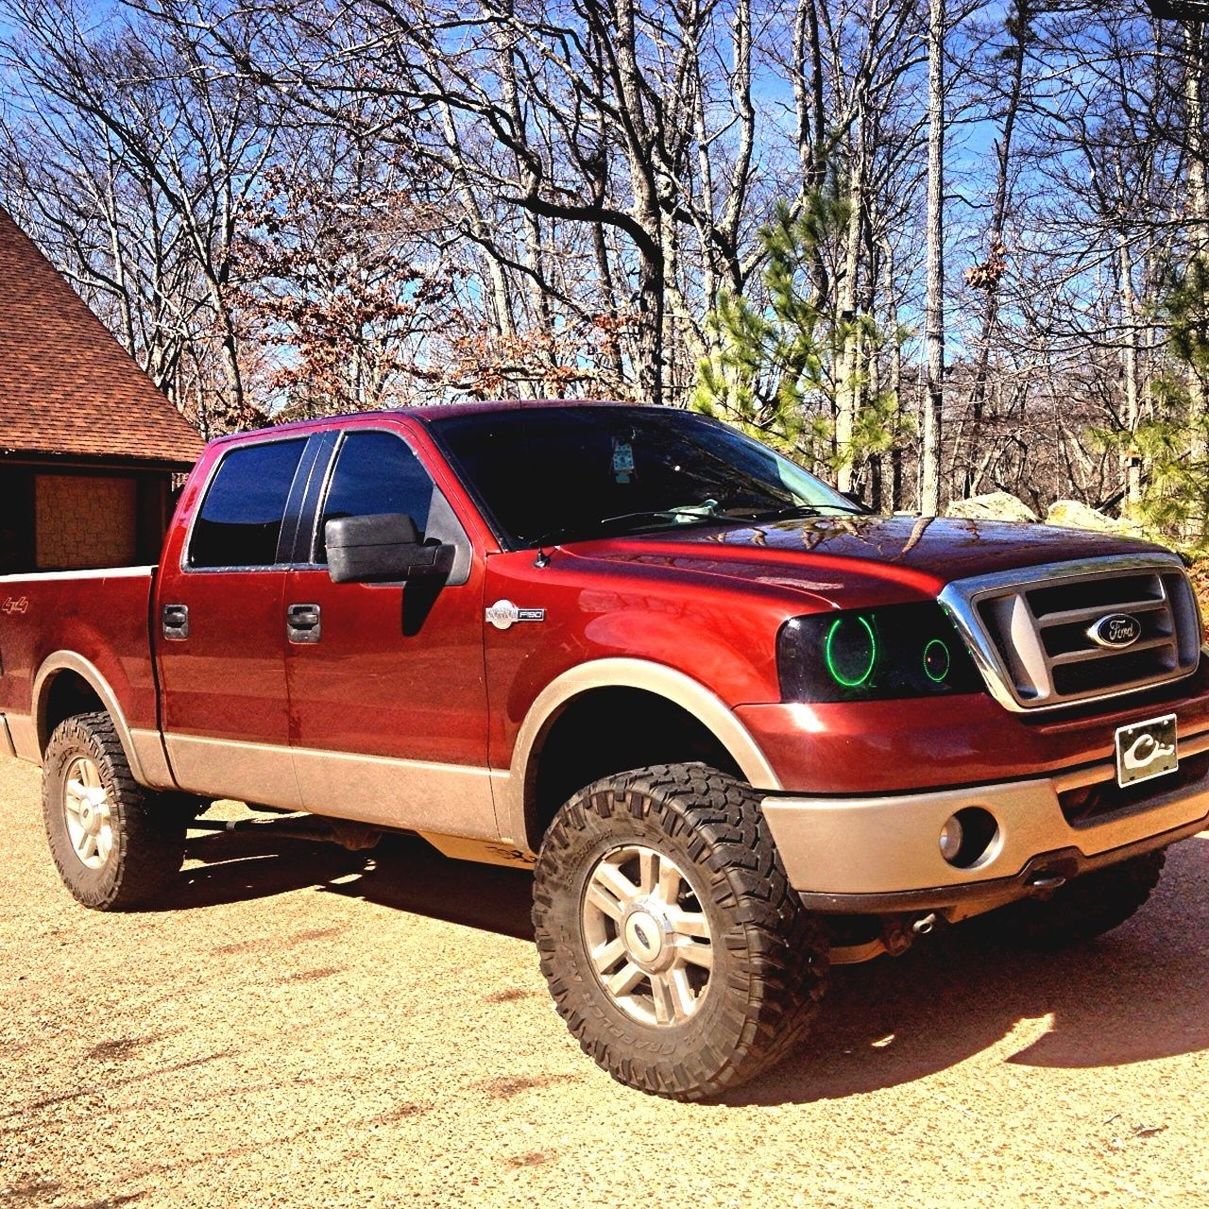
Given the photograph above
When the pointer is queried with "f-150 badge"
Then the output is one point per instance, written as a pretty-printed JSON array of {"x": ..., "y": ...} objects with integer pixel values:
[{"x": 504, "y": 614}]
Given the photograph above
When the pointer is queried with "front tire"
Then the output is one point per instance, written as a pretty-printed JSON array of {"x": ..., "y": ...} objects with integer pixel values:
[
  {"x": 115, "y": 844},
  {"x": 676, "y": 951},
  {"x": 1079, "y": 911}
]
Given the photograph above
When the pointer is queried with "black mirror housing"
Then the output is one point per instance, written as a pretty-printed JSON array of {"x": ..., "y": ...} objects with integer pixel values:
[{"x": 383, "y": 548}]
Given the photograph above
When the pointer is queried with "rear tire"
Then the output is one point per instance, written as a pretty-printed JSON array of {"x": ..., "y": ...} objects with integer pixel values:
[
  {"x": 1081, "y": 910},
  {"x": 637, "y": 877},
  {"x": 115, "y": 844}
]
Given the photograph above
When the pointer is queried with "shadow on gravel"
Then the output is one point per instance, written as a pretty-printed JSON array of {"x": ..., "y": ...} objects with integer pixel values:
[
  {"x": 1142, "y": 992},
  {"x": 1139, "y": 993},
  {"x": 410, "y": 875},
  {"x": 401, "y": 872},
  {"x": 242, "y": 865}
]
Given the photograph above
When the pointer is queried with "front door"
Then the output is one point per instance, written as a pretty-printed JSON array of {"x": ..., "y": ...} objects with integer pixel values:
[
  {"x": 220, "y": 635},
  {"x": 388, "y": 701}
]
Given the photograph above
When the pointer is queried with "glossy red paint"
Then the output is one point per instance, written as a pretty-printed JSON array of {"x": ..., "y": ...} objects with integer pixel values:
[
  {"x": 227, "y": 680},
  {"x": 900, "y": 746},
  {"x": 409, "y": 673},
  {"x": 103, "y": 620},
  {"x": 399, "y": 670},
  {"x": 844, "y": 558}
]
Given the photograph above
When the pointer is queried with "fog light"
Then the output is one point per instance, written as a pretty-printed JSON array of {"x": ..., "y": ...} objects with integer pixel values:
[
  {"x": 951, "y": 835},
  {"x": 969, "y": 838}
]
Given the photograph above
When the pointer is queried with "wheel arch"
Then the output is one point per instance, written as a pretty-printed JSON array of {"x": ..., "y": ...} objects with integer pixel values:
[
  {"x": 66, "y": 676},
  {"x": 526, "y": 811}
]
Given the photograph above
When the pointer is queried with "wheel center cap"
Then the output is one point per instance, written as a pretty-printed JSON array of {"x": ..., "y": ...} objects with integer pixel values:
[{"x": 643, "y": 935}]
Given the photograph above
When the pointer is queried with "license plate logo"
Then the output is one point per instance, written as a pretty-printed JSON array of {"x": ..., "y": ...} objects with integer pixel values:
[{"x": 1145, "y": 750}]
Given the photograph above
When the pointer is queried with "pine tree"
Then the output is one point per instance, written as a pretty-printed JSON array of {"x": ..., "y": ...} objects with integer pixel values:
[
  {"x": 1170, "y": 441},
  {"x": 774, "y": 369}
]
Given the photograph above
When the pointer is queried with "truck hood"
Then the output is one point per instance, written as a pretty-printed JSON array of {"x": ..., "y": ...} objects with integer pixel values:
[{"x": 855, "y": 559}]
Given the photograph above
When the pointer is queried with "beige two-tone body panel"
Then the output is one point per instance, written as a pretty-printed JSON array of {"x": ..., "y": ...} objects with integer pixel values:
[
  {"x": 514, "y": 789},
  {"x": 840, "y": 850},
  {"x": 143, "y": 747}
]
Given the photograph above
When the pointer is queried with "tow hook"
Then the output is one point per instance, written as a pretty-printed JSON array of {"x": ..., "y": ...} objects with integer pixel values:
[
  {"x": 898, "y": 933},
  {"x": 1044, "y": 882},
  {"x": 925, "y": 924}
]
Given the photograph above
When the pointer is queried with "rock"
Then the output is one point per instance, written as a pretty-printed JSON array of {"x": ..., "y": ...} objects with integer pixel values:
[
  {"x": 1071, "y": 514},
  {"x": 994, "y": 506}
]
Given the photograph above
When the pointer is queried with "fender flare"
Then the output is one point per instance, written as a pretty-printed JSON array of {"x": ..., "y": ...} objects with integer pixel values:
[
  {"x": 642, "y": 674},
  {"x": 69, "y": 661}
]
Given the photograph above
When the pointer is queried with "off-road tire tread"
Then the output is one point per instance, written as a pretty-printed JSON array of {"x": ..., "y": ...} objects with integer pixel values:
[
  {"x": 150, "y": 830},
  {"x": 785, "y": 946},
  {"x": 1081, "y": 910}
]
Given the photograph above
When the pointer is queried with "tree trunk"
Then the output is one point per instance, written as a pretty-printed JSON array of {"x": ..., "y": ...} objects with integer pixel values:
[
  {"x": 1018, "y": 27},
  {"x": 644, "y": 207},
  {"x": 934, "y": 323},
  {"x": 847, "y": 393},
  {"x": 1131, "y": 463},
  {"x": 1198, "y": 215}
]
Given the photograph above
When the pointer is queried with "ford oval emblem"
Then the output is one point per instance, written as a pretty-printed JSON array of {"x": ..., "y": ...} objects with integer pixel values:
[{"x": 1116, "y": 631}]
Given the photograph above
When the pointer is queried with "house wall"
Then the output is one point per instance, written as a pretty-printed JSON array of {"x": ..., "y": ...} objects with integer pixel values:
[
  {"x": 57, "y": 518},
  {"x": 16, "y": 520},
  {"x": 85, "y": 521}
]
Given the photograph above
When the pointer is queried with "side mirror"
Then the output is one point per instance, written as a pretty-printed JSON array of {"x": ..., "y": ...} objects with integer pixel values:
[
  {"x": 856, "y": 498},
  {"x": 383, "y": 548}
]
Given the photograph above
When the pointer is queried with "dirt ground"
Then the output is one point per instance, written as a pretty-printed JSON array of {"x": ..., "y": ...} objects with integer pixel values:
[{"x": 299, "y": 1026}]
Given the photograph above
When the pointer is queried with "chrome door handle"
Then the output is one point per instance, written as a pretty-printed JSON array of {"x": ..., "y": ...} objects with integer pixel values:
[
  {"x": 174, "y": 622},
  {"x": 303, "y": 623}
]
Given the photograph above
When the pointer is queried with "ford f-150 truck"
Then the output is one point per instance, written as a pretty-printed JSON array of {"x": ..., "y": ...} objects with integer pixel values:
[{"x": 739, "y": 728}]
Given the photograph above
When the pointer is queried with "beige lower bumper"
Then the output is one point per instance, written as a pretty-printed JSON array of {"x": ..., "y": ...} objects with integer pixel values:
[{"x": 890, "y": 846}]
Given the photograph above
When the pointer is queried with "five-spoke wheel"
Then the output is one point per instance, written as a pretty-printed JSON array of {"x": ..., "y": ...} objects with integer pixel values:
[
  {"x": 87, "y": 813},
  {"x": 648, "y": 938},
  {"x": 116, "y": 844},
  {"x": 675, "y": 948}
]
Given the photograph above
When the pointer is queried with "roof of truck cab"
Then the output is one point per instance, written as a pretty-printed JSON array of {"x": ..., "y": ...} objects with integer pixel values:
[{"x": 427, "y": 412}]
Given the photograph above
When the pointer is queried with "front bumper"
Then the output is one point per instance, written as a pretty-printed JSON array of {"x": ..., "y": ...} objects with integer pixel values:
[{"x": 881, "y": 854}]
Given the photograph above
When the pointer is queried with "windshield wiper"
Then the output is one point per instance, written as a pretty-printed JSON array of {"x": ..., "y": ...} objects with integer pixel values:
[
  {"x": 563, "y": 532},
  {"x": 703, "y": 511}
]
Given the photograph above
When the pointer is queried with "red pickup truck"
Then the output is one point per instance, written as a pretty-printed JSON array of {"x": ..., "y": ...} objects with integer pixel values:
[{"x": 739, "y": 728}]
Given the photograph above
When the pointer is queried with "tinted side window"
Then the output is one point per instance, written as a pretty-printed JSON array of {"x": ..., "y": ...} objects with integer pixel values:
[
  {"x": 375, "y": 473},
  {"x": 240, "y": 520}
]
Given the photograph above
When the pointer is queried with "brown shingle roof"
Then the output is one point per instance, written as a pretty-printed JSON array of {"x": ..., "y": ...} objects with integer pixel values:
[{"x": 66, "y": 385}]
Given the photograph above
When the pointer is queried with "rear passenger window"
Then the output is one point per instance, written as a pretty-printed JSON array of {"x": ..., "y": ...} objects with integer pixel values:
[
  {"x": 240, "y": 521},
  {"x": 376, "y": 473}
]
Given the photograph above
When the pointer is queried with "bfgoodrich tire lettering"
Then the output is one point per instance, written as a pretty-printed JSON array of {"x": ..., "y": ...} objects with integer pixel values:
[
  {"x": 137, "y": 846},
  {"x": 769, "y": 964}
]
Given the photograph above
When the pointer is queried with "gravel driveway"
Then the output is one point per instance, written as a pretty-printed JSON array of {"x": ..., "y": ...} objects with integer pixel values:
[{"x": 299, "y": 1026}]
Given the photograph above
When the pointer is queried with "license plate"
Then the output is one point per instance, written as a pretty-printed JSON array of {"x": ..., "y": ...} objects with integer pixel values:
[{"x": 1145, "y": 750}]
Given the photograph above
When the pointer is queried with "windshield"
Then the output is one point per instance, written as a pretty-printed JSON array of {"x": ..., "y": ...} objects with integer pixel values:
[{"x": 550, "y": 474}]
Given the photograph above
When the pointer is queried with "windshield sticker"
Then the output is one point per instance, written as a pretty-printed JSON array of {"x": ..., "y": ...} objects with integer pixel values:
[{"x": 623, "y": 461}]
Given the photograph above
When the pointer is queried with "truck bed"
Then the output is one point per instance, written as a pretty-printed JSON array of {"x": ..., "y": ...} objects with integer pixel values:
[{"x": 60, "y": 619}]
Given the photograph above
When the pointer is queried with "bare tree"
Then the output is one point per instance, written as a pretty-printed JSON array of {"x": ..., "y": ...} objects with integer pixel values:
[{"x": 933, "y": 412}]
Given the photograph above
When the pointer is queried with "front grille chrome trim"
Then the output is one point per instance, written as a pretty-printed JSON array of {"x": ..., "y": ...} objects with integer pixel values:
[{"x": 1020, "y": 677}]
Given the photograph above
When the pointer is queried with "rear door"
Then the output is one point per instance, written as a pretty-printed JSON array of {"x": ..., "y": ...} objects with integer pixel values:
[
  {"x": 388, "y": 697},
  {"x": 221, "y": 628}
]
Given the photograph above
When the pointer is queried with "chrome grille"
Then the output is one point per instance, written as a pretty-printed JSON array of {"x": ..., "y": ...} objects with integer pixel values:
[{"x": 1029, "y": 631}]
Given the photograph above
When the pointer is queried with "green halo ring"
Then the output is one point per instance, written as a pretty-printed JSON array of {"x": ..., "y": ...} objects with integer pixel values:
[
  {"x": 828, "y": 655},
  {"x": 948, "y": 660}
]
